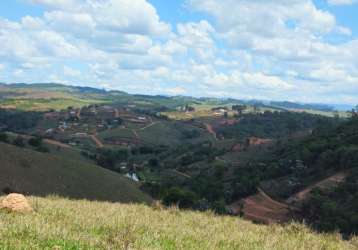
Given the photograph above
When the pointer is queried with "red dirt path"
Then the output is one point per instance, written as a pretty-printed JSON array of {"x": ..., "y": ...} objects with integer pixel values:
[
  {"x": 328, "y": 182},
  {"x": 262, "y": 208}
]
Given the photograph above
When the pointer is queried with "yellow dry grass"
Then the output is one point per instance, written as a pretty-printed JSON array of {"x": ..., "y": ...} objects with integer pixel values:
[{"x": 63, "y": 224}]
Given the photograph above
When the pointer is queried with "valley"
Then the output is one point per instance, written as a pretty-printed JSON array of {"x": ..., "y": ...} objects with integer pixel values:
[{"x": 254, "y": 161}]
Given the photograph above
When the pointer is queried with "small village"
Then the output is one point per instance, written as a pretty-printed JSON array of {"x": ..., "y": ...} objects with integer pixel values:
[{"x": 80, "y": 124}]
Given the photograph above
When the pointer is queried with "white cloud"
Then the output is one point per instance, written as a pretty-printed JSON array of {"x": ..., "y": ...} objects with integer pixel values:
[
  {"x": 106, "y": 15},
  {"x": 271, "y": 49},
  {"x": 265, "y": 18},
  {"x": 341, "y": 2},
  {"x": 68, "y": 71},
  {"x": 260, "y": 80}
]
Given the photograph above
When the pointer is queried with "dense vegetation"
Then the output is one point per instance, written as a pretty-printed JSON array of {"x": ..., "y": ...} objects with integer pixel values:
[
  {"x": 330, "y": 149},
  {"x": 272, "y": 125},
  {"x": 17, "y": 120},
  {"x": 335, "y": 209}
]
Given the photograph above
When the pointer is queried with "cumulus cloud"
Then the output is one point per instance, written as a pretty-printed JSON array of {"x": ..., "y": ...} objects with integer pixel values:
[{"x": 271, "y": 49}]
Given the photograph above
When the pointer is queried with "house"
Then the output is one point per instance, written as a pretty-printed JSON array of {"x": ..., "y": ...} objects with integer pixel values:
[
  {"x": 123, "y": 165},
  {"x": 49, "y": 131},
  {"x": 63, "y": 125},
  {"x": 133, "y": 177}
]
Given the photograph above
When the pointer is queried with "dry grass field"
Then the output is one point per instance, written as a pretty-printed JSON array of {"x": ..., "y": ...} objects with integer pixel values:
[{"x": 59, "y": 223}]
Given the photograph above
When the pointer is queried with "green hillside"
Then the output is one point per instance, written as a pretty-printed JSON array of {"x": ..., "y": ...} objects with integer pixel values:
[
  {"x": 34, "y": 173},
  {"x": 63, "y": 224}
]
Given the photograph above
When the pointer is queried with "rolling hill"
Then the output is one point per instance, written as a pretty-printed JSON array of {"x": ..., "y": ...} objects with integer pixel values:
[
  {"x": 34, "y": 173},
  {"x": 48, "y": 96}
]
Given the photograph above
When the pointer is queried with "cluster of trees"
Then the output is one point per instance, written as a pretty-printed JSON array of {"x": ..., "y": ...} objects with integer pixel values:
[
  {"x": 190, "y": 134},
  {"x": 12, "y": 120},
  {"x": 331, "y": 148},
  {"x": 109, "y": 159},
  {"x": 147, "y": 150},
  {"x": 239, "y": 108},
  {"x": 335, "y": 210},
  {"x": 272, "y": 125},
  {"x": 204, "y": 190},
  {"x": 202, "y": 154},
  {"x": 20, "y": 141}
]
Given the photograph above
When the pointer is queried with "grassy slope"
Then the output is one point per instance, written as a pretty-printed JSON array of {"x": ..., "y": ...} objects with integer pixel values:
[
  {"x": 63, "y": 224},
  {"x": 30, "y": 172},
  {"x": 170, "y": 133}
]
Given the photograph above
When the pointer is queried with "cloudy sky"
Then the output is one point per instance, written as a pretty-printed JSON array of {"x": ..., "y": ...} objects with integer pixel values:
[{"x": 296, "y": 50}]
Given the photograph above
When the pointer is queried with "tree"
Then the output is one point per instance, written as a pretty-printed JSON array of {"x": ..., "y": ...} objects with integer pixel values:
[
  {"x": 220, "y": 207},
  {"x": 180, "y": 197},
  {"x": 239, "y": 108},
  {"x": 35, "y": 142},
  {"x": 42, "y": 149},
  {"x": 153, "y": 162},
  {"x": 4, "y": 137},
  {"x": 19, "y": 141},
  {"x": 354, "y": 111}
]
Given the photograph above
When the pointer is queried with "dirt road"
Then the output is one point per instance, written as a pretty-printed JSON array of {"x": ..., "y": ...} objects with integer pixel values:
[
  {"x": 182, "y": 174},
  {"x": 328, "y": 182},
  {"x": 148, "y": 126},
  {"x": 48, "y": 141},
  {"x": 116, "y": 113},
  {"x": 56, "y": 143},
  {"x": 98, "y": 142},
  {"x": 135, "y": 134},
  {"x": 211, "y": 130}
]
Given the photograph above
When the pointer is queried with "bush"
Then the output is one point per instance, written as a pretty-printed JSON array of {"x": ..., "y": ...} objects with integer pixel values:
[
  {"x": 153, "y": 162},
  {"x": 42, "y": 149},
  {"x": 35, "y": 142},
  {"x": 180, "y": 197},
  {"x": 4, "y": 137},
  {"x": 19, "y": 142}
]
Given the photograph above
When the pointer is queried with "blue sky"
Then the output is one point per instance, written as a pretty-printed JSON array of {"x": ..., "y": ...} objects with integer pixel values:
[{"x": 296, "y": 50}]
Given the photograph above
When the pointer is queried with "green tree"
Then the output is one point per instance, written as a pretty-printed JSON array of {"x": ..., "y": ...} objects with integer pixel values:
[
  {"x": 35, "y": 142},
  {"x": 4, "y": 137},
  {"x": 19, "y": 142}
]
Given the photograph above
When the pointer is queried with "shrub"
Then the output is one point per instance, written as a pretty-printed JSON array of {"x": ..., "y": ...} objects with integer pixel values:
[
  {"x": 19, "y": 142},
  {"x": 4, "y": 137},
  {"x": 35, "y": 142}
]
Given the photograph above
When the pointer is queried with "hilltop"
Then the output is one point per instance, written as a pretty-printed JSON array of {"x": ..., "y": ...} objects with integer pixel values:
[
  {"x": 65, "y": 224},
  {"x": 30, "y": 172}
]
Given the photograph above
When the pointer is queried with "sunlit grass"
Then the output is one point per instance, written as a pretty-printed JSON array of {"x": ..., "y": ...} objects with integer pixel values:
[{"x": 62, "y": 224}]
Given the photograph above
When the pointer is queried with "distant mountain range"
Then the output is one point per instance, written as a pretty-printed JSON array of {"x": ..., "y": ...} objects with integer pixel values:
[{"x": 276, "y": 104}]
